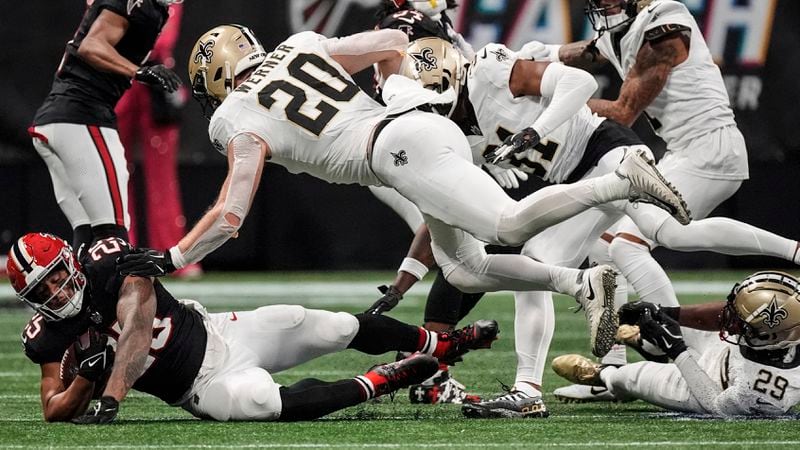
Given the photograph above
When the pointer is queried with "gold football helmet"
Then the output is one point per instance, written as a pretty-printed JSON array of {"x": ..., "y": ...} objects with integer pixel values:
[
  {"x": 217, "y": 58},
  {"x": 764, "y": 311},
  {"x": 436, "y": 64}
]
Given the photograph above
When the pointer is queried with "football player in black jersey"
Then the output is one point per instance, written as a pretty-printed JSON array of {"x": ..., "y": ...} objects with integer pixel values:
[
  {"x": 74, "y": 130},
  {"x": 215, "y": 366}
]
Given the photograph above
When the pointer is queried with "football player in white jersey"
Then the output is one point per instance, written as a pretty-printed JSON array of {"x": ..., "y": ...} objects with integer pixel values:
[
  {"x": 757, "y": 376},
  {"x": 669, "y": 75},
  {"x": 585, "y": 146},
  {"x": 299, "y": 107}
]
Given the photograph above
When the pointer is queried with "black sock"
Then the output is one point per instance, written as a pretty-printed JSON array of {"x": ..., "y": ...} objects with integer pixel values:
[
  {"x": 444, "y": 302},
  {"x": 468, "y": 302},
  {"x": 380, "y": 334},
  {"x": 110, "y": 230},
  {"x": 311, "y": 398},
  {"x": 81, "y": 235}
]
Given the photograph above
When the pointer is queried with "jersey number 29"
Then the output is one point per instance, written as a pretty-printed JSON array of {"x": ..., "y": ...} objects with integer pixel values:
[{"x": 297, "y": 70}]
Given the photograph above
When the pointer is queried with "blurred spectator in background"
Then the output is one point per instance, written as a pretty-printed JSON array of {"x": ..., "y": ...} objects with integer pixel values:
[
  {"x": 74, "y": 131},
  {"x": 150, "y": 118}
]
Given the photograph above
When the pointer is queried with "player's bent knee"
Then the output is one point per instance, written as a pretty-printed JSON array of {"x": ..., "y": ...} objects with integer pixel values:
[
  {"x": 250, "y": 394},
  {"x": 339, "y": 328}
]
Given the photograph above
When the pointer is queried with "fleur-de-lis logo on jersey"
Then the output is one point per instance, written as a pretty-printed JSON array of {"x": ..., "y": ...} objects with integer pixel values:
[
  {"x": 500, "y": 54},
  {"x": 773, "y": 314},
  {"x": 204, "y": 52},
  {"x": 424, "y": 59},
  {"x": 400, "y": 158}
]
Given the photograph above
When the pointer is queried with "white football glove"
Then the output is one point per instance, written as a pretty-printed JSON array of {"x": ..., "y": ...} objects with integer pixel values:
[
  {"x": 506, "y": 178},
  {"x": 461, "y": 44},
  {"x": 534, "y": 50}
]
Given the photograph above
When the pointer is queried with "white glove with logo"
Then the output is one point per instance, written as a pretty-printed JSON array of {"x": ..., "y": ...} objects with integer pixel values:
[{"x": 506, "y": 178}]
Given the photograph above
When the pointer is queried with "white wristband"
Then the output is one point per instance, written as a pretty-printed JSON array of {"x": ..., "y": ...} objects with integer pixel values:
[
  {"x": 554, "y": 48},
  {"x": 413, "y": 267},
  {"x": 177, "y": 257}
]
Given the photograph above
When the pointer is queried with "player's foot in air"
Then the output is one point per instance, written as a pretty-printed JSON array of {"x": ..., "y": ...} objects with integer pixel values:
[
  {"x": 441, "y": 388},
  {"x": 388, "y": 378},
  {"x": 596, "y": 297},
  {"x": 477, "y": 335},
  {"x": 513, "y": 404},
  {"x": 578, "y": 393},
  {"x": 649, "y": 186}
]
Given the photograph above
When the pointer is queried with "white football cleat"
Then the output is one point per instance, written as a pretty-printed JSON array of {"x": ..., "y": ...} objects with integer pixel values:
[
  {"x": 649, "y": 186},
  {"x": 596, "y": 297},
  {"x": 578, "y": 393}
]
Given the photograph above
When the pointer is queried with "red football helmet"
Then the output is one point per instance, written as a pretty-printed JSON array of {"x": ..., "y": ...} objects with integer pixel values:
[{"x": 46, "y": 275}]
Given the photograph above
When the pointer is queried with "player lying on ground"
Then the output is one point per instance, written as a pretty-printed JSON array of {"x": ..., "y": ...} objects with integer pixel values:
[
  {"x": 298, "y": 106},
  {"x": 216, "y": 366},
  {"x": 752, "y": 367}
]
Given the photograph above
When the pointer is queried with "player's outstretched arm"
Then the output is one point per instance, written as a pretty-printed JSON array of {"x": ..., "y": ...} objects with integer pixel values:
[
  {"x": 246, "y": 155},
  {"x": 356, "y": 52},
  {"x": 97, "y": 48},
  {"x": 646, "y": 79},
  {"x": 414, "y": 267},
  {"x": 580, "y": 54}
]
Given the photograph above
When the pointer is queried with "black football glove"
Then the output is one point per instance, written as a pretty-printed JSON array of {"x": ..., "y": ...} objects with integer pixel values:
[
  {"x": 145, "y": 262},
  {"x": 104, "y": 411},
  {"x": 630, "y": 313},
  {"x": 664, "y": 332},
  {"x": 516, "y": 144},
  {"x": 391, "y": 297},
  {"x": 96, "y": 357},
  {"x": 158, "y": 75}
]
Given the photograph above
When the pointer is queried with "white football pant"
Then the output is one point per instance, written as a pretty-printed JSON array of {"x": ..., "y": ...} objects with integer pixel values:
[
  {"x": 244, "y": 347},
  {"x": 87, "y": 166}
]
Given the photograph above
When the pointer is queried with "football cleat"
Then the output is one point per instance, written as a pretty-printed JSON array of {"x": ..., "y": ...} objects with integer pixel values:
[
  {"x": 596, "y": 297},
  {"x": 512, "y": 404},
  {"x": 578, "y": 393},
  {"x": 388, "y": 378},
  {"x": 578, "y": 369},
  {"x": 441, "y": 388},
  {"x": 649, "y": 186},
  {"x": 477, "y": 335}
]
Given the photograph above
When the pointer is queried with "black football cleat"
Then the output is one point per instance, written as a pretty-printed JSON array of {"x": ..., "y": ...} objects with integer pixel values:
[
  {"x": 401, "y": 374},
  {"x": 477, "y": 335},
  {"x": 514, "y": 404}
]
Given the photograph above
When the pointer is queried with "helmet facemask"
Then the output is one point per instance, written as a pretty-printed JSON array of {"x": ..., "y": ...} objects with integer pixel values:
[
  {"x": 34, "y": 285},
  {"x": 602, "y": 21}
]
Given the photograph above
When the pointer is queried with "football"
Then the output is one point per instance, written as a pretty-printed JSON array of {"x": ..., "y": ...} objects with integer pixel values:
[{"x": 69, "y": 370}]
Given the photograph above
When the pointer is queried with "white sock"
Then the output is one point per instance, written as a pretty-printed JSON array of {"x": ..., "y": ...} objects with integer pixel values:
[
  {"x": 643, "y": 273},
  {"x": 610, "y": 187},
  {"x": 534, "y": 322},
  {"x": 527, "y": 389}
]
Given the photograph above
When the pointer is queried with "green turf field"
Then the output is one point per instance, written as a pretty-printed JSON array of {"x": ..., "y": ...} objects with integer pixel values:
[{"x": 145, "y": 422}]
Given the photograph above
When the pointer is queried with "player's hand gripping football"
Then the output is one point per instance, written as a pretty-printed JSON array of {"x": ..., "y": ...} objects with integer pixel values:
[
  {"x": 145, "y": 262},
  {"x": 513, "y": 149},
  {"x": 104, "y": 411},
  {"x": 93, "y": 355},
  {"x": 391, "y": 297},
  {"x": 158, "y": 75},
  {"x": 662, "y": 331}
]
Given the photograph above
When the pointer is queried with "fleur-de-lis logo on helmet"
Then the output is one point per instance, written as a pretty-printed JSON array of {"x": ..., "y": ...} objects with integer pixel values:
[
  {"x": 204, "y": 52},
  {"x": 773, "y": 314},
  {"x": 424, "y": 59}
]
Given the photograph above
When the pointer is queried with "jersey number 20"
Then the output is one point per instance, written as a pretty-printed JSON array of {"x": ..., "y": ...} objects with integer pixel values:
[{"x": 297, "y": 70}]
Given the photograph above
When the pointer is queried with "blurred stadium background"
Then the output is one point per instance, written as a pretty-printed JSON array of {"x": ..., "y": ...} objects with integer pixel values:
[{"x": 299, "y": 223}]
